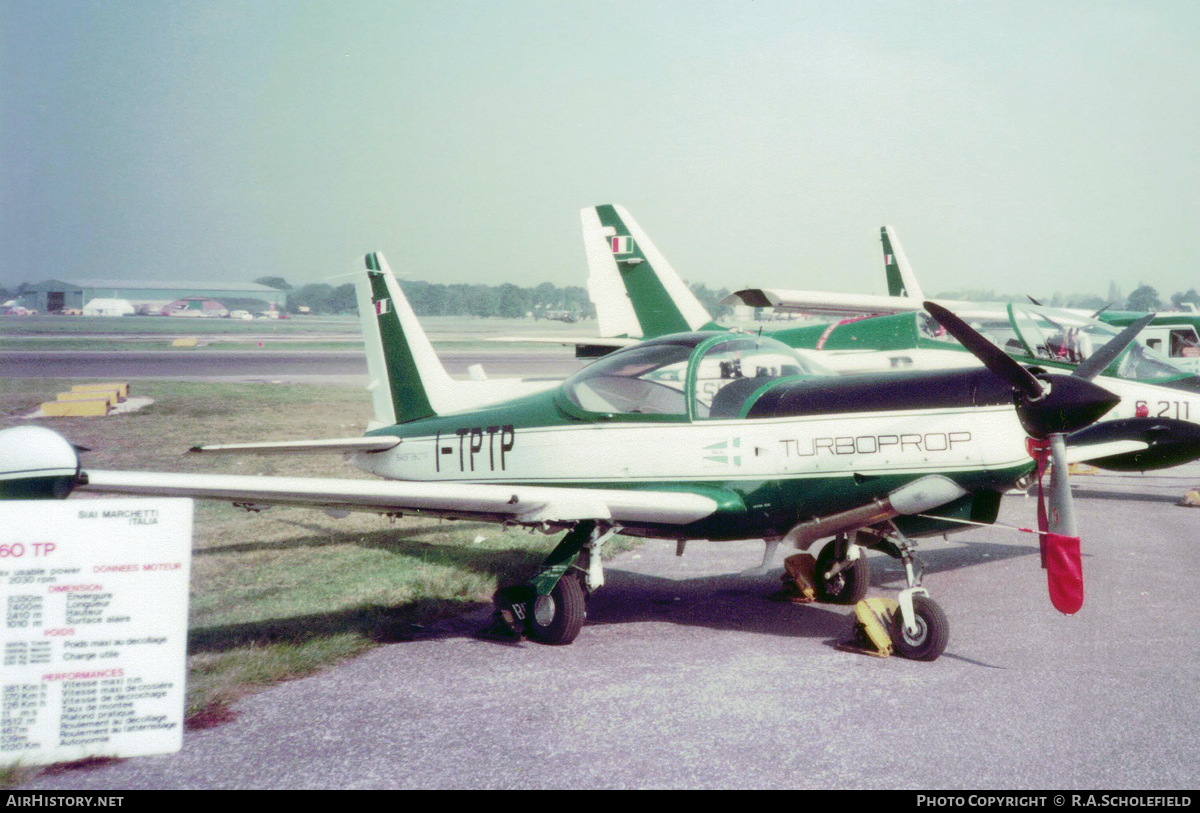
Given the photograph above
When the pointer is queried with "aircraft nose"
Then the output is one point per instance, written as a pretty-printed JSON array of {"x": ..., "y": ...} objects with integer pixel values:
[{"x": 1071, "y": 404}]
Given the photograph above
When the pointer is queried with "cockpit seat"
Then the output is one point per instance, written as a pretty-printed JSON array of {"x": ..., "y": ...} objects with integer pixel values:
[{"x": 730, "y": 399}]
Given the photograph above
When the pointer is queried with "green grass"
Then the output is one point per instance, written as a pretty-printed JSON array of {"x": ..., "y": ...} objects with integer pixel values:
[
  {"x": 282, "y": 593},
  {"x": 112, "y": 345},
  {"x": 45, "y": 325},
  {"x": 143, "y": 333}
]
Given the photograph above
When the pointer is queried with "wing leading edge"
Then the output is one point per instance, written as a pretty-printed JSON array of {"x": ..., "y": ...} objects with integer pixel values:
[{"x": 527, "y": 505}]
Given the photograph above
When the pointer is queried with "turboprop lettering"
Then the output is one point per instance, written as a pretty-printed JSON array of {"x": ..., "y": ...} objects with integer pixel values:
[{"x": 874, "y": 444}]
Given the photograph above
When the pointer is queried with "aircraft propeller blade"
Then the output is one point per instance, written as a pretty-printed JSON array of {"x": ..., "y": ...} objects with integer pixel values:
[
  {"x": 1097, "y": 362},
  {"x": 992, "y": 357}
]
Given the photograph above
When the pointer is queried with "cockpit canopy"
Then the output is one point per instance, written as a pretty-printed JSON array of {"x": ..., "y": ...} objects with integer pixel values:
[
  {"x": 687, "y": 376},
  {"x": 1056, "y": 335}
]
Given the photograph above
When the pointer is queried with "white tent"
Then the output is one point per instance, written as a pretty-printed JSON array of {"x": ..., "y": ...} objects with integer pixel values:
[{"x": 107, "y": 307}]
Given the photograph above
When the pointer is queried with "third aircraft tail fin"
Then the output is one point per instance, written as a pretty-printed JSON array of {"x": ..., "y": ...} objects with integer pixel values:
[{"x": 900, "y": 278}]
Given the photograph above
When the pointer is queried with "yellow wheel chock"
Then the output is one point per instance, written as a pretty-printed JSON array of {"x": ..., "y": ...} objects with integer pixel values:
[
  {"x": 798, "y": 588},
  {"x": 872, "y": 620}
]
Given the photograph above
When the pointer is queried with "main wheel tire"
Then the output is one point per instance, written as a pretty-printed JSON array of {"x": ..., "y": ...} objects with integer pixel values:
[
  {"x": 557, "y": 618},
  {"x": 847, "y": 587},
  {"x": 933, "y": 631}
]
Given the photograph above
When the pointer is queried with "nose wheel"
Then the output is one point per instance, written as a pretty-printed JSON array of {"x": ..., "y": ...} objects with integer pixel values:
[
  {"x": 926, "y": 637},
  {"x": 918, "y": 628}
]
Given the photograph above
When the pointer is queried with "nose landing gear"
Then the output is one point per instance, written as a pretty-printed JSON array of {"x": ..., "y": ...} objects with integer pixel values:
[{"x": 917, "y": 626}]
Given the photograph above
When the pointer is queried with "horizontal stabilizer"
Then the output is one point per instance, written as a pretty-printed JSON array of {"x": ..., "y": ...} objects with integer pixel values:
[
  {"x": 601, "y": 341},
  {"x": 369, "y": 444}
]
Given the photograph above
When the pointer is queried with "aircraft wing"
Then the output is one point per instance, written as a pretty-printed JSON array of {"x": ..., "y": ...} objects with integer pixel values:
[
  {"x": 820, "y": 302},
  {"x": 526, "y": 505},
  {"x": 830, "y": 303}
]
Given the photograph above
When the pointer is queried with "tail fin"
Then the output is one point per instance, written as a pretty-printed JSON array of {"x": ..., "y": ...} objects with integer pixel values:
[
  {"x": 408, "y": 380},
  {"x": 900, "y": 278},
  {"x": 636, "y": 291}
]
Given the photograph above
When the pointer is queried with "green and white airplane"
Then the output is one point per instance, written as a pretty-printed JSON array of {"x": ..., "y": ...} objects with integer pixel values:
[
  {"x": 693, "y": 435},
  {"x": 1176, "y": 336},
  {"x": 1156, "y": 425}
]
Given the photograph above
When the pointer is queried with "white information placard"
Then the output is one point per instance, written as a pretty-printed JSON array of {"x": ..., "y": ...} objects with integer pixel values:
[{"x": 94, "y": 595}]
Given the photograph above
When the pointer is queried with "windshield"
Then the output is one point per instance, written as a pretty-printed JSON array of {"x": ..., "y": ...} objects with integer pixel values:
[
  {"x": 658, "y": 378},
  {"x": 1064, "y": 337},
  {"x": 646, "y": 379}
]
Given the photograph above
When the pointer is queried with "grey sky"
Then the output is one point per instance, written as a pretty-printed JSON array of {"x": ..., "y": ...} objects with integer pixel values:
[{"x": 1026, "y": 147}]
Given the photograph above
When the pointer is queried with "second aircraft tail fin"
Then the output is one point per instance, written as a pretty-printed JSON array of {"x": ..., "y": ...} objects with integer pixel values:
[{"x": 636, "y": 291}]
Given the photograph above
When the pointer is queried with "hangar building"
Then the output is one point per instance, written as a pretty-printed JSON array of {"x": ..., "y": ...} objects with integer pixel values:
[{"x": 146, "y": 296}]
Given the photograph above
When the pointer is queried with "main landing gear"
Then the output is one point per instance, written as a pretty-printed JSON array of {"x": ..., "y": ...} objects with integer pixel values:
[
  {"x": 551, "y": 607},
  {"x": 918, "y": 629}
]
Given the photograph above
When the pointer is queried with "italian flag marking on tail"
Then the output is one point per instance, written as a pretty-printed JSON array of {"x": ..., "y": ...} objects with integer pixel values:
[
  {"x": 382, "y": 306},
  {"x": 622, "y": 245}
]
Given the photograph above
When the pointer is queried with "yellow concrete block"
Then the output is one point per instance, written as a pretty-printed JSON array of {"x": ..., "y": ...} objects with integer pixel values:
[
  {"x": 76, "y": 409},
  {"x": 187, "y": 341},
  {"x": 110, "y": 396},
  {"x": 121, "y": 387}
]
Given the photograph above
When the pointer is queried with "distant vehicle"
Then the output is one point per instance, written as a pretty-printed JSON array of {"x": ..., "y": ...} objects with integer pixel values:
[
  {"x": 561, "y": 316},
  {"x": 195, "y": 307},
  {"x": 241, "y": 315},
  {"x": 17, "y": 310}
]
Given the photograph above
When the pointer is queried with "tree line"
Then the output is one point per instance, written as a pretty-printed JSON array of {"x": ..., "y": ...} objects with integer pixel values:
[
  {"x": 514, "y": 302},
  {"x": 1143, "y": 298},
  {"x": 435, "y": 299}
]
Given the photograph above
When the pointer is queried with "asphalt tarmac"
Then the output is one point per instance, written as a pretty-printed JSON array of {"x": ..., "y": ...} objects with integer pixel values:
[{"x": 686, "y": 676}]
